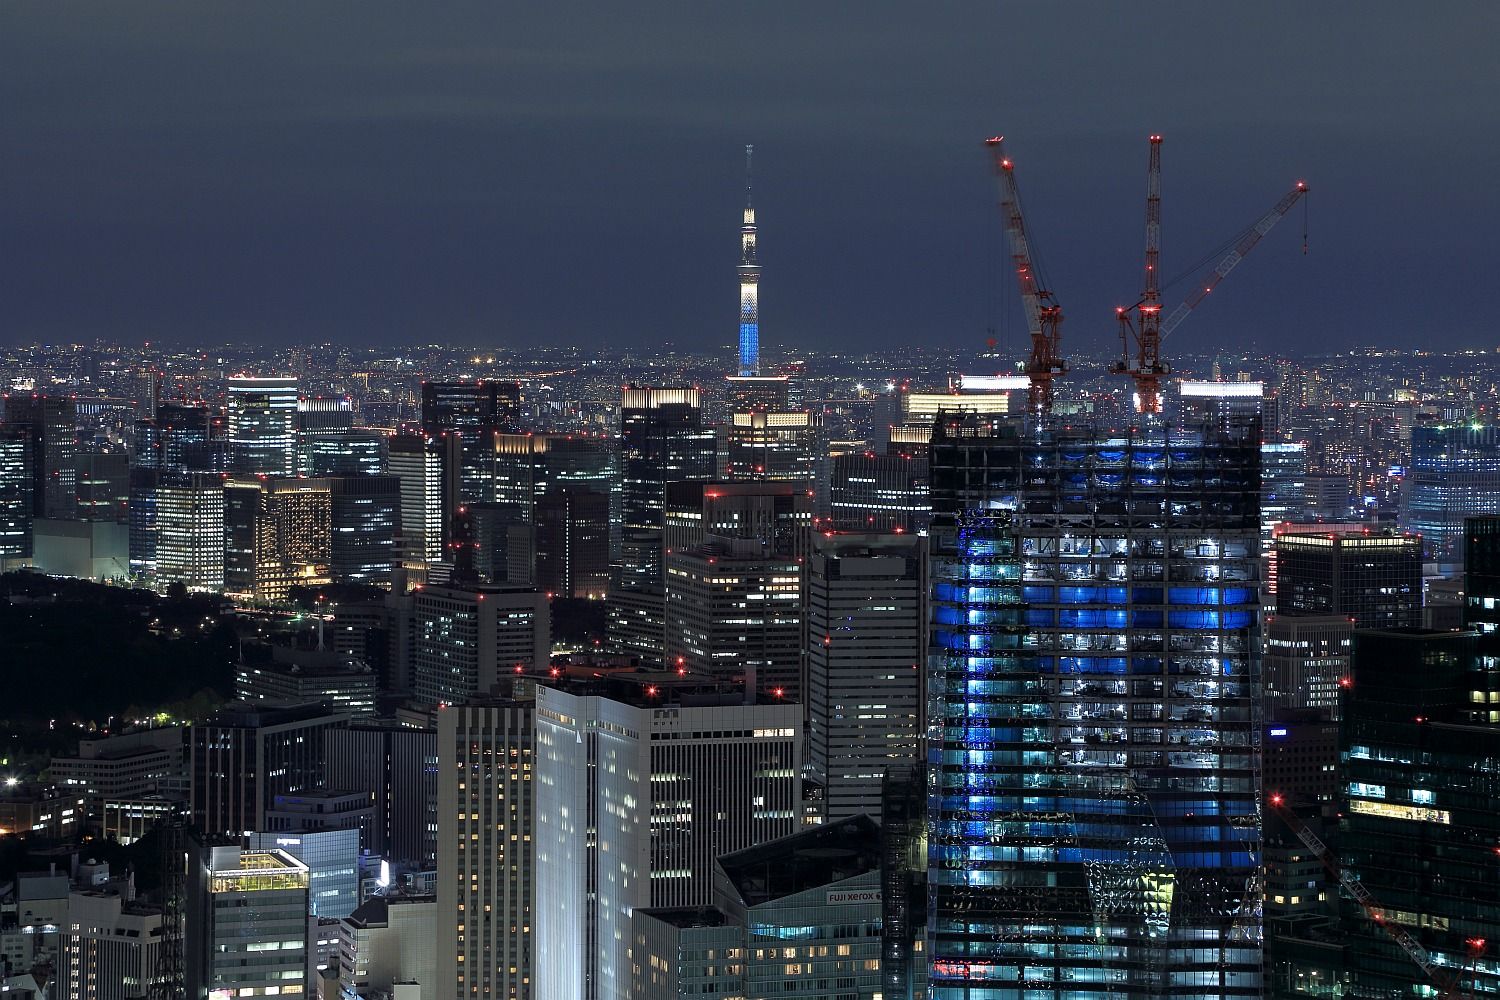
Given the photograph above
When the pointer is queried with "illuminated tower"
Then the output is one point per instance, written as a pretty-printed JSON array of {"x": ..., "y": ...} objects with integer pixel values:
[{"x": 749, "y": 285}]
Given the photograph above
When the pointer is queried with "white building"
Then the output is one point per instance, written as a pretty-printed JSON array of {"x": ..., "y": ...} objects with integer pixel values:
[
  {"x": 190, "y": 532},
  {"x": 263, "y": 424},
  {"x": 467, "y": 636},
  {"x": 110, "y": 947}
]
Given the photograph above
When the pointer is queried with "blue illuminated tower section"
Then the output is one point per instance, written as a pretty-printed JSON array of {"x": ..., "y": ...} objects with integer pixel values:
[{"x": 749, "y": 284}]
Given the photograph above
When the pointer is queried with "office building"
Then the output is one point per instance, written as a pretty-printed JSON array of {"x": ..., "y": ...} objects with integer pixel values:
[
  {"x": 866, "y": 652},
  {"x": 127, "y": 766},
  {"x": 364, "y": 521},
  {"x": 1306, "y": 662},
  {"x": 470, "y": 406},
  {"x": 331, "y": 857},
  {"x": 734, "y": 612},
  {"x": 16, "y": 504},
  {"x": 162, "y": 441},
  {"x": 903, "y": 883},
  {"x": 1420, "y": 745},
  {"x": 486, "y": 886},
  {"x": 417, "y": 464},
  {"x": 1301, "y": 755},
  {"x": 468, "y": 635},
  {"x": 110, "y": 946},
  {"x": 526, "y": 467},
  {"x": 399, "y": 765},
  {"x": 1328, "y": 496},
  {"x": 795, "y": 917},
  {"x": 246, "y": 754},
  {"x": 281, "y": 674},
  {"x": 1283, "y": 488},
  {"x": 776, "y": 516},
  {"x": 1374, "y": 578},
  {"x": 245, "y": 926},
  {"x": 772, "y": 446},
  {"x": 127, "y": 820},
  {"x": 388, "y": 941},
  {"x": 262, "y": 426},
  {"x": 870, "y": 492},
  {"x": 663, "y": 440},
  {"x": 278, "y": 534},
  {"x": 572, "y": 543},
  {"x": 103, "y": 486},
  {"x": 50, "y": 423},
  {"x": 190, "y": 536},
  {"x": 1482, "y": 574},
  {"x": 1455, "y": 473},
  {"x": 504, "y": 543},
  {"x": 1091, "y": 698}
]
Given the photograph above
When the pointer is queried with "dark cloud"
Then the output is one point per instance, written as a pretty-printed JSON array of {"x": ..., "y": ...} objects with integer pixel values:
[{"x": 509, "y": 174}]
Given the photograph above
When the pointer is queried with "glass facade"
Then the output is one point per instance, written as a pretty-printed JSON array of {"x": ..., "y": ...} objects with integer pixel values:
[
  {"x": 1455, "y": 473},
  {"x": 1093, "y": 740}
]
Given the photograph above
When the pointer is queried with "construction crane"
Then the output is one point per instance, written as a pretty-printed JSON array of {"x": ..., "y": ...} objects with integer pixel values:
[
  {"x": 1448, "y": 981},
  {"x": 1141, "y": 337},
  {"x": 1043, "y": 313}
]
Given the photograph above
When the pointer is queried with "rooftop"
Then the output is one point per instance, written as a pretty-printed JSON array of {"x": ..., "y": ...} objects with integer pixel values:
[{"x": 817, "y": 857}]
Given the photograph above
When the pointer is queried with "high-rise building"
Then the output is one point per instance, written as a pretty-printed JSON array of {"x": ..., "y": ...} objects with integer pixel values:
[
  {"x": 1454, "y": 474},
  {"x": 1482, "y": 573},
  {"x": 417, "y": 464},
  {"x": 486, "y": 876},
  {"x": 263, "y": 424},
  {"x": 161, "y": 441},
  {"x": 245, "y": 926},
  {"x": 572, "y": 543},
  {"x": 866, "y": 649},
  {"x": 245, "y": 755},
  {"x": 1306, "y": 662},
  {"x": 103, "y": 485},
  {"x": 1092, "y": 703},
  {"x": 51, "y": 423},
  {"x": 399, "y": 764},
  {"x": 749, "y": 272},
  {"x": 663, "y": 440},
  {"x": 16, "y": 485},
  {"x": 364, "y": 520},
  {"x": 777, "y": 516},
  {"x": 1374, "y": 578},
  {"x": 1283, "y": 487},
  {"x": 469, "y": 635},
  {"x": 190, "y": 536},
  {"x": 771, "y": 445},
  {"x": 465, "y": 418},
  {"x": 734, "y": 612},
  {"x": 279, "y": 674},
  {"x": 639, "y": 789},
  {"x": 870, "y": 492},
  {"x": 332, "y": 860},
  {"x": 504, "y": 543},
  {"x": 1420, "y": 824},
  {"x": 278, "y": 534}
]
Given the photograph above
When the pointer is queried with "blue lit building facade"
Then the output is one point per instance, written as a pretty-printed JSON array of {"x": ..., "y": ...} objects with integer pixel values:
[
  {"x": 1455, "y": 473},
  {"x": 1093, "y": 822}
]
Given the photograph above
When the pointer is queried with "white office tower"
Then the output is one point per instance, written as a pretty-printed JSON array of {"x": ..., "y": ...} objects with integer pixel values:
[
  {"x": 865, "y": 647},
  {"x": 484, "y": 858},
  {"x": 638, "y": 791},
  {"x": 263, "y": 425},
  {"x": 592, "y": 843}
]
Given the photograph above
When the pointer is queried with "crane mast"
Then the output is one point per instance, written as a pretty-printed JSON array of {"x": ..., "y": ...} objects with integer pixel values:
[
  {"x": 1146, "y": 366},
  {"x": 1043, "y": 313},
  {"x": 1142, "y": 328}
]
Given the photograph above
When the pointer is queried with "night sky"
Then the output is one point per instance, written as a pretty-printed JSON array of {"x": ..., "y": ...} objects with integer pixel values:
[{"x": 503, "y": 174}]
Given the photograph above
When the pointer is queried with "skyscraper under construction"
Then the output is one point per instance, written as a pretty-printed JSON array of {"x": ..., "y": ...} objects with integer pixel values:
[{"x": 1093, "y": 744}]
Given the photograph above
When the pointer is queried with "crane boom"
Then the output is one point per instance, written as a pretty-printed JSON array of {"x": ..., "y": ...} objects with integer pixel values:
[
  {"x": 1043, "y": 313},
  {"x": 1414, "y": 950},
  {"x": 1242, "y": 246}
]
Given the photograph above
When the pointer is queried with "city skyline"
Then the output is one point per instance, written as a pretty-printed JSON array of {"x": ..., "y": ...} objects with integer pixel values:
[{"x": 567, "y": 177}]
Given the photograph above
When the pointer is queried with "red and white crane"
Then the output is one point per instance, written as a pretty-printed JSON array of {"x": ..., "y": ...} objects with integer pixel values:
[
  {"x": 1141, "y": 336},
  {"x": 1043, "y": 313}
]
